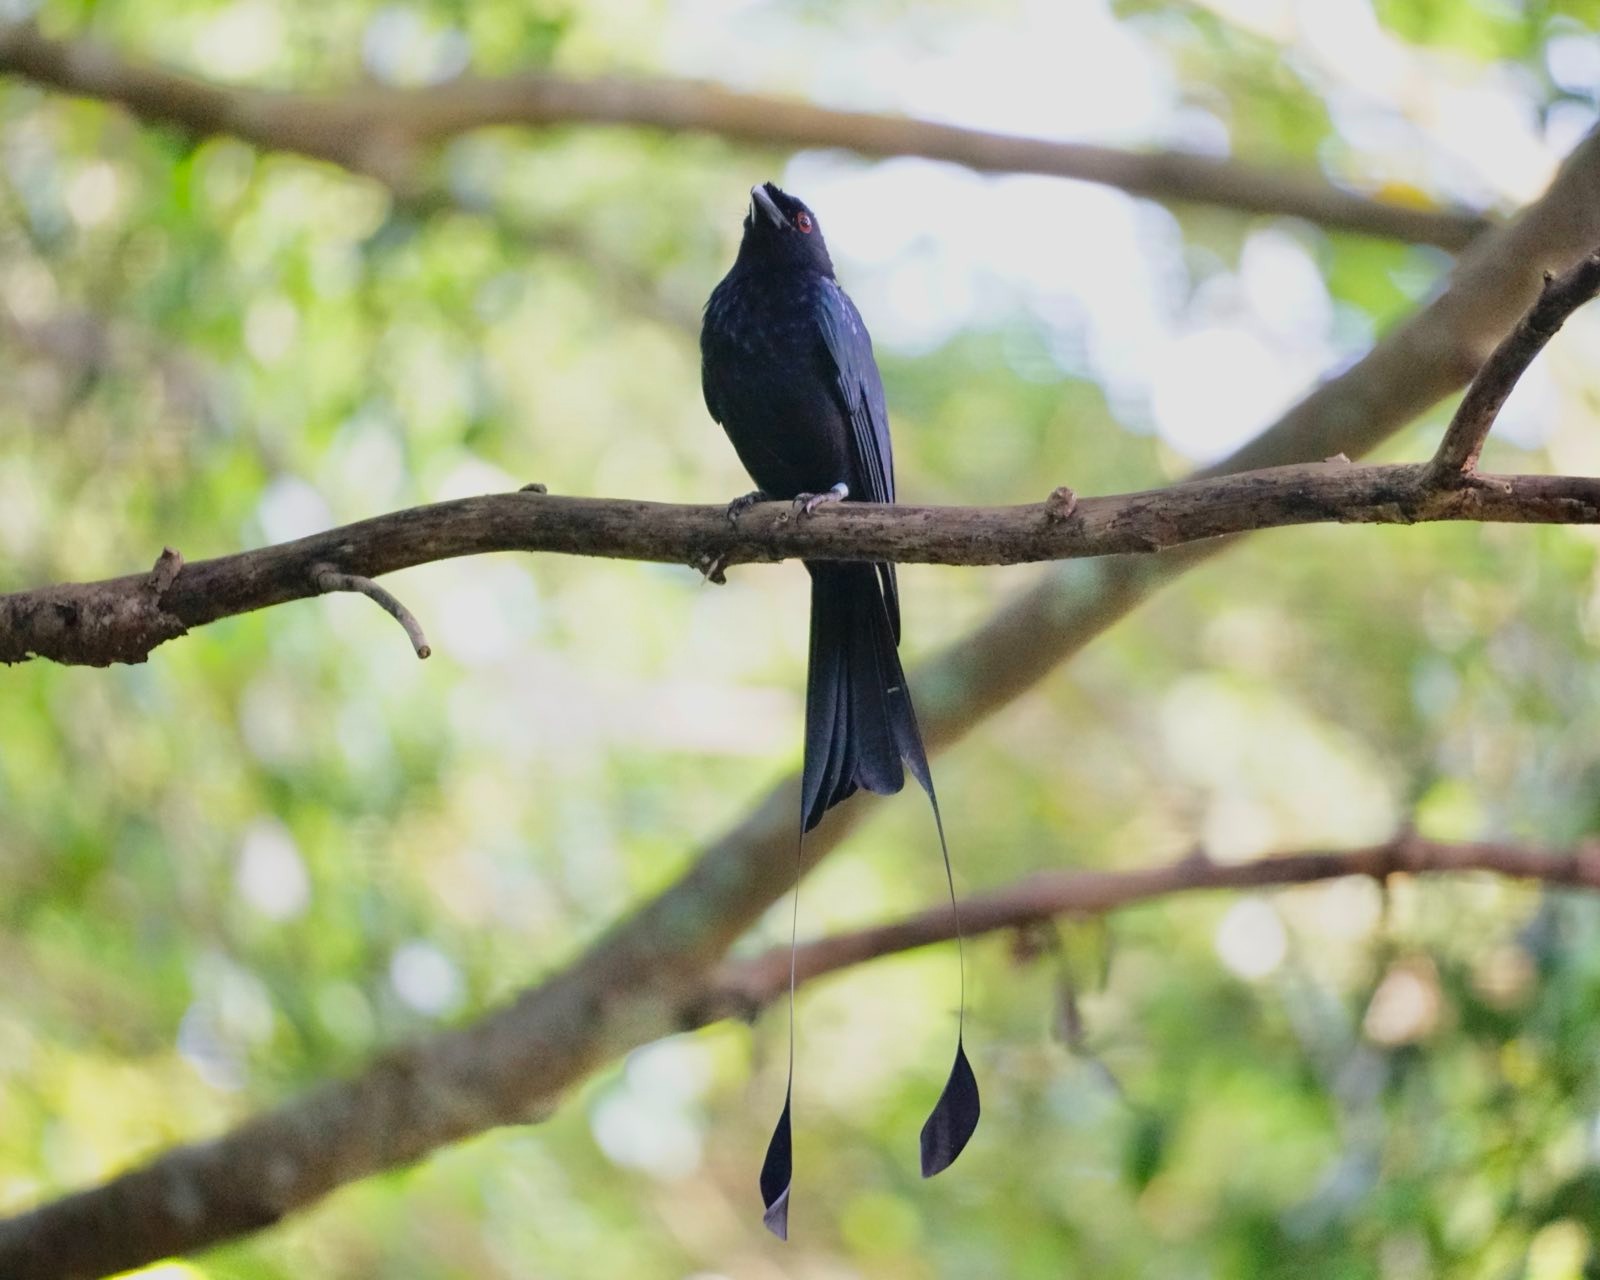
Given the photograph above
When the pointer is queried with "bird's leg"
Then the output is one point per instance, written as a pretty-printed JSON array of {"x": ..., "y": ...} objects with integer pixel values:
[
  {"x": 741, "y": 504},
  {"x": 806, "y": 503}
]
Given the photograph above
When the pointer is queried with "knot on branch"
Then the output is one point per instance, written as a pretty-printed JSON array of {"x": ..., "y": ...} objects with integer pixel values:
[
  {"x": 1060, "y": 505},
  {"x": 165, "y": 572}
]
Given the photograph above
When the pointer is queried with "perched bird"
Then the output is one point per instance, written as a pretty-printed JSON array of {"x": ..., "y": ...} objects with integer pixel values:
[{"x": 787, "y": 369}]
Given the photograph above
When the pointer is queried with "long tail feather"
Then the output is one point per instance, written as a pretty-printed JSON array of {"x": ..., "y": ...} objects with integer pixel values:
[
  {"x": 852, "y": 738},
  {"x": 861, "y": 728}
]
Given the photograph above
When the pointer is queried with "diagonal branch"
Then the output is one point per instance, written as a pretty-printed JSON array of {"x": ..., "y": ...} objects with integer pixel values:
[
  {"x": 123, "y": 619},
  {"x": 1457, "y": 457},
  {"x": 629, "y": 987},
  {"x": 741, "y": 986},
  {"x": 375, "y": 131},
  {"x": 1421, "y": 361}
]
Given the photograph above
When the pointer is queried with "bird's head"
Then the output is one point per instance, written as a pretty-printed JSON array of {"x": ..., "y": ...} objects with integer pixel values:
[{"x": 780, "y": 231}]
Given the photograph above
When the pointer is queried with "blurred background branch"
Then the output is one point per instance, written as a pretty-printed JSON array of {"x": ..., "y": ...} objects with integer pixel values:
[
  {"x": 377, "y": 131},
  {"x": 741, "y": 987}
]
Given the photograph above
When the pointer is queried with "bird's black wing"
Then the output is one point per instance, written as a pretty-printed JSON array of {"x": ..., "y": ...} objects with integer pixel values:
[{"x": 849, "y": 347}]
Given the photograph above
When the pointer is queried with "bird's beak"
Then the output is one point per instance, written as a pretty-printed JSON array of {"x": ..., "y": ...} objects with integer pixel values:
[{"x": 759, "y": 199}]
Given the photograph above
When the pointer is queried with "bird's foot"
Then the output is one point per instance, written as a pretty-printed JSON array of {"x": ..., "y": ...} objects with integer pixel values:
[
  {"x": 806, "y": 503},
  {"x": 741, "y": 504}
]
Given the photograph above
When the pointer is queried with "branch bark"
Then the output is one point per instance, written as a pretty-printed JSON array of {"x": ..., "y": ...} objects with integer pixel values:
[
  {"x": 376, "y": 131},
  {"x": 197, "y": 1195},
  {"x": 123, "y": 619}
]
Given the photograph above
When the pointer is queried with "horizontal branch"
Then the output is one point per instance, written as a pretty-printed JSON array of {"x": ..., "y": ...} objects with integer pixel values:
[
  {"x": 460, "y": 1081},
  {"x": 373, "y": 130},
  {"x": 123, "y": 619}
]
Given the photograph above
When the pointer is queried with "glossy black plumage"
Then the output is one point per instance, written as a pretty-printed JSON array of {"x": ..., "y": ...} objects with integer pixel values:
[{"x": 788, "y": 370}]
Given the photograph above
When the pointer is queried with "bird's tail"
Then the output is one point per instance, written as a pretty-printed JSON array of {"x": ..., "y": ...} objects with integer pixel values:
[
  {"x": 860, "y": 725},
  {"x": 861, "y": 733}
]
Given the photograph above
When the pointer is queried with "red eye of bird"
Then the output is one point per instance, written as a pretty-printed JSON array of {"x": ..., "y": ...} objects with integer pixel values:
[{"x": 803, "y": 221}]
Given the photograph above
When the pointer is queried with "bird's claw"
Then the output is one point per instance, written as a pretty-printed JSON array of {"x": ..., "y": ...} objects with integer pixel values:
[
  {"x": 744, "y": 502},
  {"x": 806, "y": 503}
]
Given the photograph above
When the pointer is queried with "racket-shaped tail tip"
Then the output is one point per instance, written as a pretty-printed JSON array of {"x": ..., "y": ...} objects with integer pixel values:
[
  {"x": 953, "y": 1120},
  {"x": 776, "y": 1218},
  {"x": 777, "y": 1175}
]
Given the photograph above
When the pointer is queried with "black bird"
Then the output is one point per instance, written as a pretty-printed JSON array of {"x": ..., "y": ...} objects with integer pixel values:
[{"x": 787, "y": 369}]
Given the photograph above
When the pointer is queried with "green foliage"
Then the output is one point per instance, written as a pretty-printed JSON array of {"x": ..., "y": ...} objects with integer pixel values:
[{"x": 284, "y": 844}]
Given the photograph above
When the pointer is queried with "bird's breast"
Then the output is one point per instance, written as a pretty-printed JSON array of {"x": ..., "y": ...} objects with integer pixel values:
[
  {"x": 775, "y": 393},
  {"x": 772, "y": 318}
]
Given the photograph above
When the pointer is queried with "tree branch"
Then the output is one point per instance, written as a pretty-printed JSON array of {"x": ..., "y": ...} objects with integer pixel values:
[
  {"x": 1463, "y": 441},
  {"x": 123, "y": 619},
  {"x": 742, "y": 986},
  {"x": 466, "y": 1080},
  {"x": 375, "y": 131}
]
